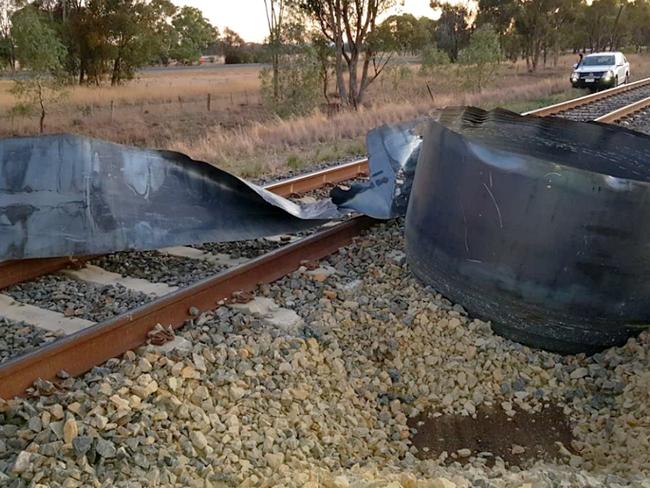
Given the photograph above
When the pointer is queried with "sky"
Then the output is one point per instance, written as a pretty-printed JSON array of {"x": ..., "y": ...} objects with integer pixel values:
[{"x": 247, "y": 17}]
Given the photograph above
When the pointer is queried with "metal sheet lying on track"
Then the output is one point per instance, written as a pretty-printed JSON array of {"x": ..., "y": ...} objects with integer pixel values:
[
  {"x": 66, "y": 195},
  {"x": 540, "y": 225},
  {"x": 17, "y": 271},
  {"x": 80, "y": 352}
]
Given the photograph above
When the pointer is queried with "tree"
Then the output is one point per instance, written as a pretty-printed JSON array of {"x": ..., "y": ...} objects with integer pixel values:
[
  {"x": 500, "y": 15},
  {"x": 298, "y": 80},
  {"x": 432, "y": 57},
  {"x": 531, "y": 28},
  {"x": 39, "y": 50},
  {"x": 482, "y": 55},
  {"x": 348, "y": 25},
  {"x": 452, "y": 29},
  {"x": 7, "y": 55},
  {"x": 637, "y": 18},
  {"x": 324, "y": 52},
  {"x": 275, "y": 15},
  {"x": 233, "y": 47},
  {"x": 409, "y": 35},
  {"x": 192, "y": 34}
]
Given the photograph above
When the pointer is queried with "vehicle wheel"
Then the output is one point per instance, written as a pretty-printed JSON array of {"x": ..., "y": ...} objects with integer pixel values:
[
  {"x": 616, "y": 81},
  {"x": 627, "y": 78}
]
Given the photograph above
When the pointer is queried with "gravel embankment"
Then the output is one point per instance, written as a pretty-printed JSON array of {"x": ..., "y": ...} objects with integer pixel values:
[
  {"x": 606, "y": 105},
  {"x": 639, "y": 122},
  {"x": 76, "y": 298},
  {"x": 17, "y": 338},
  {"x": 335, "y": 405}
]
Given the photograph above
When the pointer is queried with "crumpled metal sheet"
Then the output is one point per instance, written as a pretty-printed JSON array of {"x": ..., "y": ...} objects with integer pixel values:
[
  {"x": 393, "y": 154},
  {"x": 541, "y": 225},
  {"x": 66, "y": 195}
]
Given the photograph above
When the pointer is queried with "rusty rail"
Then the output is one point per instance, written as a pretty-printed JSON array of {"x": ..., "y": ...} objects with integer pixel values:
[
  {"x": 587, "y": 99},
  {"x": 83, "y": 350},
  {"x": 13, "y": 272},
  {"x": 623, "y": 112},
  {"x": 318, "y": 179}
]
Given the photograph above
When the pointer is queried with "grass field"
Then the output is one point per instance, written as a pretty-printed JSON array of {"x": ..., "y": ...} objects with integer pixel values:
[{"x": 169, "y": 109}]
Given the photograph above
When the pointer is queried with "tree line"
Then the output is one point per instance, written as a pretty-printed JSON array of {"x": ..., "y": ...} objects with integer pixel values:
[
  {"x": 311, "y": 46},
  {"x": 354, "y": 41},
  {"x": 96, "y": 41}
]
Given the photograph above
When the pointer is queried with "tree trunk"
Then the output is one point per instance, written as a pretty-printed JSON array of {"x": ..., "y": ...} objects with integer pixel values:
[
  {"x": 116, "y": 76},
  {"x": 276, "y": 74},
  {"x": 340, "y": 67},
  {"x": 82, "y": 71},
  {"x": 42, "y": 104},
  {"x": 353, "y": 81}
]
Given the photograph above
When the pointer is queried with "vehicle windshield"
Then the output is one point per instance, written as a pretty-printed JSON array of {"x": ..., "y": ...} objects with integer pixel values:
[{"x": 598, "y": 61}]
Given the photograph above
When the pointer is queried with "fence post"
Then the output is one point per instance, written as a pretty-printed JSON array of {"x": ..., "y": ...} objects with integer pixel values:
[{"x": 209, "y": 101}]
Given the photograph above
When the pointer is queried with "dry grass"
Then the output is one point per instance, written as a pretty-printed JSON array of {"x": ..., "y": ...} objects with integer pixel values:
[
  {"x": 265, "y": 146},
  {"x": 239, "y": 135},
  {"x": 158, "y": 87}
]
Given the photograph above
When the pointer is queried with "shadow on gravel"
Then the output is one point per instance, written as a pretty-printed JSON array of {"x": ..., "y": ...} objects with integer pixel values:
[{"x": 518, "y": 440}]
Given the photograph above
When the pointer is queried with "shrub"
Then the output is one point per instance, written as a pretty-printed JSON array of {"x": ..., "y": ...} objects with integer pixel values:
[
  {"x": 483, "y": 56},
  {"x": 298, "y": 84},
  {"x": 432, "y": 57}
]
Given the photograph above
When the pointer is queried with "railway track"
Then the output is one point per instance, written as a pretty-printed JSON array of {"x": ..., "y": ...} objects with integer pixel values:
[
  {"x": 151, "y": 293},
  {"x": 598, "y": 104}
]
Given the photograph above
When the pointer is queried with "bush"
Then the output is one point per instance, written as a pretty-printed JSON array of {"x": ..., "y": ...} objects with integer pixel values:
[
  {"x": 239, "y": 56},
  {"x": 298, "y": 84},
  {"x": 483, "y": 55},
  {"x": 397, "y": 74},
  {"x": 432, "y": 57}
]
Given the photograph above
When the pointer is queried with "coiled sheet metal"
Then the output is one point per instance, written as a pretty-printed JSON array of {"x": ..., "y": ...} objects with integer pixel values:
[{"x": 541, "y": 225}]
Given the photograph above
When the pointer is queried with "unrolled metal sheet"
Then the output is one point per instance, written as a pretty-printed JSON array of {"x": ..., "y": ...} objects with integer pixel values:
[
  {"x": 64, "y": 195},
  {"x": 541, "y": 225}
]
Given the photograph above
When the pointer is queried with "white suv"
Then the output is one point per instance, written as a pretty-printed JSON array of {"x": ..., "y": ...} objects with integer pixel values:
[{"x": 601, "y": 70}]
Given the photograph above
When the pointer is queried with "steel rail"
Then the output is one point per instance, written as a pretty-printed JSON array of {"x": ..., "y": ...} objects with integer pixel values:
[
  {"x": 14, "y": 272},
  {"x": 623, "y": 112},
  {"x": 80, "y": 352},
  {"x": 587, "y": 99},
  {"x": 318, "y": 179}
]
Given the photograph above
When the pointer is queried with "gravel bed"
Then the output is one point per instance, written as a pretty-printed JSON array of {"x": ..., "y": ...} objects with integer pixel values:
[
  {"x": 639, "y": 122},
  {"x": 17, "y": 338},
  {"x": 246, "y": 405},
  {"x": 606, "y": 105},
  {"x": 241, "y": 249},
  {"x": 159, "y": 268},
  {"x": 77, "y": 298}
]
